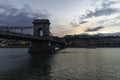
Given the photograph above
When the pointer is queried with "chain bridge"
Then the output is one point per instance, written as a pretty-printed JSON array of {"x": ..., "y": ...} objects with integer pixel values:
[{"x": 42, "y": 40}]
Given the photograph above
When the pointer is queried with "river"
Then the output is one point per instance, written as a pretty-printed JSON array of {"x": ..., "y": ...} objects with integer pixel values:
[{"x": 67, "y": 64}]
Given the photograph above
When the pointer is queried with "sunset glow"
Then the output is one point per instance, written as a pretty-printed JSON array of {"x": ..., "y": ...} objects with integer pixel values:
[{"x": 67, "y": 17}]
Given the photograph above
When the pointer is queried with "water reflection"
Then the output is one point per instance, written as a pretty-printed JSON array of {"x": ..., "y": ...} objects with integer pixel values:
[
  {"x": 24, "y": 66},
  {"x": 40, "y": 67},
  {"x": 67, "y": 64},
  {"x": 86, "y": 64},
  {"x": 92, "y": 67}
]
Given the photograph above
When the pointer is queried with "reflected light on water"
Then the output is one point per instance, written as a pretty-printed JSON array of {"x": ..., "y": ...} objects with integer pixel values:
[{"x": 67, "y": 64}]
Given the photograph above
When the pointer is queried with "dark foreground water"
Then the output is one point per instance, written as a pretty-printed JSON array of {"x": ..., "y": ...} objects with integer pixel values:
[{"x": 67, "y": 64}]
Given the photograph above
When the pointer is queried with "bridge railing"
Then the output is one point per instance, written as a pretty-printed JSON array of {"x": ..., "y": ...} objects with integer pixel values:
[{"x": 18, "y": 29}]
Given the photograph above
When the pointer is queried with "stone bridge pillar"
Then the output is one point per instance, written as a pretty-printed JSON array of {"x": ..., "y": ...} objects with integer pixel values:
[{"x": 41, "y": 29}]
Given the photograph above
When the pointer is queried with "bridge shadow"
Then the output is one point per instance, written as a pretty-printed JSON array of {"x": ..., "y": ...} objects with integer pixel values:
[
  {"x": 40, "y": 67},
  {"x": 37, "y": 67}
]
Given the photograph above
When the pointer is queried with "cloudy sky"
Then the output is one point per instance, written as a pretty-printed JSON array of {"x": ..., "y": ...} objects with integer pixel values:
[{"x": 66, "y": 16}]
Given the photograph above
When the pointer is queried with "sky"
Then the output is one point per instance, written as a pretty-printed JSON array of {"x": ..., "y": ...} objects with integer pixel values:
[{"x": 67, "y": 17}]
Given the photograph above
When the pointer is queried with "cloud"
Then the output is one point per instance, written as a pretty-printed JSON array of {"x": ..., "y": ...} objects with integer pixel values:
[
  {"x": 4, "y": 1},
  {"x": 118, "y": 17},
  {"x": 94, "y": 29},
  {"x": 106, "y": 9},
  {"x": 111, "y": 22},
  {"x": 83, "y": 22},
  {"x": 106, "y": 3},
  {"x": 102, "y": 21},
  {"x": 102, "y": 12},
  {"x": 11, "y": 16},
  {"x": 74, "y": 24}
]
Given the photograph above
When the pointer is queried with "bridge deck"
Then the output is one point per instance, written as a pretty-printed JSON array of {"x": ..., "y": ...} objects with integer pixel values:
[
  {"x": 17, "y": 36},
  {"x": 16, "y": 27}
]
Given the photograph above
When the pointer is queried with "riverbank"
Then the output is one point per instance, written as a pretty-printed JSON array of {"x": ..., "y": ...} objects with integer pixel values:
[
  {"x": 113, "y": 46},
  {"x": 14, "y": 46}
]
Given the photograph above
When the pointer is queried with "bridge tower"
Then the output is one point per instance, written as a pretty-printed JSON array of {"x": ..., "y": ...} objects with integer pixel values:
[{"x": 41, "y": 29}]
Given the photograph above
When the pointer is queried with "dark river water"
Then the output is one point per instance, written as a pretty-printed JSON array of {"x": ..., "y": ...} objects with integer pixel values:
[{"x": 67, "y": 64}]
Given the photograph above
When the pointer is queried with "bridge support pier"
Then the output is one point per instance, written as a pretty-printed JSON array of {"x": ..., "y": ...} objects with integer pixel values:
[
  {"x": 41, "y": 29},
  {"x": 40, "y": 48}
]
